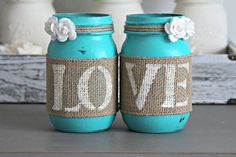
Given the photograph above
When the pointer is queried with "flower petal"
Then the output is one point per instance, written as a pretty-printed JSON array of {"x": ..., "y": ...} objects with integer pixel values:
[
  {"x": 50, "y": 26},
  {"x": 173, "y": 38},
  {"x": 186, "y": 37},
  {"x": 172, "y": 28},
  {"x": 67, "y": 23},
  {"x": 181, "y": 34},
  {"x": 72, "y": 35},
  {"x": 167, "y": 28},
  {"x": 53, "y": 37},
  {"x": 189, "y": 27},
  {"x": 62, "y": 38},
  {"x": 53, "y": 19}
]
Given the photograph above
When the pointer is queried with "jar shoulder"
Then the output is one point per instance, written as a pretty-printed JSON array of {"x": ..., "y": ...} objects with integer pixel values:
[
  {"x": 154, "y": 46},
  {"x": 83, "y": 47}
]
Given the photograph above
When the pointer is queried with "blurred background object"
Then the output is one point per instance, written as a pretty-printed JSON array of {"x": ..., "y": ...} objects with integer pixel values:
[
  {"x": 23, "y": 21},
  {"x": 210, "y": 22},
  {"x": 119, "y": 9}
]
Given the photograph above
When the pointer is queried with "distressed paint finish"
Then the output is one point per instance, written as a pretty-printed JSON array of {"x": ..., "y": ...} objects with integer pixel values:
[
  {"x": 214, "y": 79},
  {"x": 22, "y": 79}
]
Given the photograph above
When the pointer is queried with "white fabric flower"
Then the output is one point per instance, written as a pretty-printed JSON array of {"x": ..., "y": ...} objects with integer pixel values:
[
  {"x": 61, "y": 30},
  {"x": 66, "y": 29},
  {"x": 180, "y": 28}
]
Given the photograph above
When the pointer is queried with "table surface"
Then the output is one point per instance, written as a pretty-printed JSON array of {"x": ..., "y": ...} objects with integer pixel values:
[{"x": 25, "y": 130}]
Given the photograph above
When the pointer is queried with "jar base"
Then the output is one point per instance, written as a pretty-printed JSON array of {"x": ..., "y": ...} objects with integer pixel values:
[
  {"x": 82, "y": 124},
  {"x": 156, "y": 124}
]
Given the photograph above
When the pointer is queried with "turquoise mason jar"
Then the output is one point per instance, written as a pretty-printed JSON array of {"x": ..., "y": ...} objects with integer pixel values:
[
  {"x": 81, "y": 55},
  {"x": 150, "y": 43}
]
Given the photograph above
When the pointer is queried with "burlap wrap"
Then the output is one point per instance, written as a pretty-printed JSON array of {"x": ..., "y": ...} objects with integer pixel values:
[
  {"x": 156, "y": 96},
  {"x": 63, "y": 87},
  {"x": 95, "y": 28},
  {"x": 140, "y": 28}
]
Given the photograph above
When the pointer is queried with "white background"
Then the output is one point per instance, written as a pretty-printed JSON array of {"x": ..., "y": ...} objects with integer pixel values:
[{"x": 149, "y": 6}]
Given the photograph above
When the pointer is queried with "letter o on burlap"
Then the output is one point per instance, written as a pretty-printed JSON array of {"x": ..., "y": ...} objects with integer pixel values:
[{"x": 82, "y": 87}]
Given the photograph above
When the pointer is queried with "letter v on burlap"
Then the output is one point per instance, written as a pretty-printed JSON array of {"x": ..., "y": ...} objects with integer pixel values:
[{"x": 167, "y": 83}]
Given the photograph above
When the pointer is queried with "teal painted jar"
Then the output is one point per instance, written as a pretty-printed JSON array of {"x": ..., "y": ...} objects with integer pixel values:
[
  {"x": 81, "y": 72},
  {"x": 156, "y": 73}
]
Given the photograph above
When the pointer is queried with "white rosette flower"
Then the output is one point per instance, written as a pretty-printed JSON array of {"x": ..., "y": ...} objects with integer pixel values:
[
  {"x": 179, "y": 28},
  {"x": 61, "y": 30},
  {"x": 66, "y": 29}
]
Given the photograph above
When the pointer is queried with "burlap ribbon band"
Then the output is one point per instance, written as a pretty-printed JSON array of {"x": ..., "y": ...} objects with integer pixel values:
[
  {"x": 95, "y": 29},
  {"x": 142, "y": 28},
  {"x": 156, "y": 86},
  {"x": 81, "y": 87}
]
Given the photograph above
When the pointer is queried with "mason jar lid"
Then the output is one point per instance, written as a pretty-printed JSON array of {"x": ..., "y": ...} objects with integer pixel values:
[
  {"x": 150, "y": 19},
  {"x": 87, "y": 19}
]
